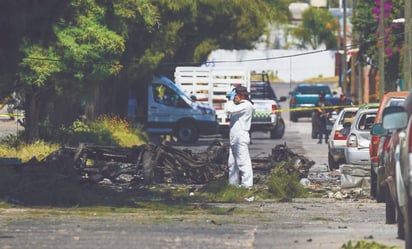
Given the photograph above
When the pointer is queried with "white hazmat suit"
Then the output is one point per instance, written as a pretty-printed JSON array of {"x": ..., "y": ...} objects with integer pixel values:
[{"x": 239, "y": 162}]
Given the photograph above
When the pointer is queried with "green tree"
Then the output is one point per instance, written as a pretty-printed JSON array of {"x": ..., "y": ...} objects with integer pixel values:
[
  {"x": 318, "y": 27},
  {"x": 187, "y": 32},
  {"x": 365, "y": 25},
  {"x": 82, "y": 52},
  {"x": 74, "y": 55}
]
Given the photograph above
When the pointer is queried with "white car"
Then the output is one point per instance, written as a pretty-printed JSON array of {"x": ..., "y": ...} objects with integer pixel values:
[
  {"x": 337, "y": 141},
  {"x": 359, "y": 137}
]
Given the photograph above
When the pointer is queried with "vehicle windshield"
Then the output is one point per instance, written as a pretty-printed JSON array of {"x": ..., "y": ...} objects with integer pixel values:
[
  {"x": 347, "y": 116},
  {"x": 262, "y": 91},
  {"x": 312, "y": 89},
  {"x": 366, "y": 121},
  {"x": 182, "y": 94},
  {"x": 395, "y": 102}
]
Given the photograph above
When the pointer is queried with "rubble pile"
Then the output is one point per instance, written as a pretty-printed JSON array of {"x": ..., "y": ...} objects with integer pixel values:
[{"x": 151, "y": 164}]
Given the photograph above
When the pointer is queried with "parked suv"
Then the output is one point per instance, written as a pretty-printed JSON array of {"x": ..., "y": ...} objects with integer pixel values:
[
  {"x": 379, "y": 143},
  {"x": 337, "y": 141},
  {"x": 304, "y": 97},
  {"x": 358, "y": 137}
]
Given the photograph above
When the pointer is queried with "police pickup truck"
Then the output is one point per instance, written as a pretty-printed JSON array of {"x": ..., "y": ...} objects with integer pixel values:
[{"x": 267, "y": 116}]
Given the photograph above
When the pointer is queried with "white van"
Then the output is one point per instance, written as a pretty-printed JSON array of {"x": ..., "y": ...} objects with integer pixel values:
[{"x": 171, "y": 111}]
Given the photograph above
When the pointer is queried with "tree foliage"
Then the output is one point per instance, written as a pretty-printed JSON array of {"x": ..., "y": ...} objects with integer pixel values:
[
  {"x": 365, "y": 25},
  {"x": 76, "y": 57},
  {"x": 318, "y": 28}
]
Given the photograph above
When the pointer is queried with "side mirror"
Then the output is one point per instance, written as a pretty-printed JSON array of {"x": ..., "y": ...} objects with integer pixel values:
[
  {"x": 377, "y": 129},
  {"x": 193, "y": 97}
]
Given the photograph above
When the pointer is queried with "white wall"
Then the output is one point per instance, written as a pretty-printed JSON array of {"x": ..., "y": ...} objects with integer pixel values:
[{"x": 289, "y": 65}]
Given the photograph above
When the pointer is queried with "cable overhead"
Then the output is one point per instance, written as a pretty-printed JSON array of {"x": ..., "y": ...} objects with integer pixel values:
[{"x": 351, "y": 46}]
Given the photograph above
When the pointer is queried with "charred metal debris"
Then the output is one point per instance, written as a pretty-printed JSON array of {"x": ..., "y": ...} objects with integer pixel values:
[{"x": 151, "y": 164}]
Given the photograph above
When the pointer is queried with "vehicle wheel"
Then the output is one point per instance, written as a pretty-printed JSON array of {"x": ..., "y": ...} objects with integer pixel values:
[
  {"x": 390, "y": 211},
  {"x": 224, "y": 131},
  {"x": 408, "y": 223},
  {"x": 374, "y": 184},
  {"x": 278, "y": 131},
  {"x": 380, "y": 190},
  {"x": 293, "y": 117},
  {"x": 187, "y": 132},
  {"x": 401, "y": 222},
  {"x": 332, "y": 163}
]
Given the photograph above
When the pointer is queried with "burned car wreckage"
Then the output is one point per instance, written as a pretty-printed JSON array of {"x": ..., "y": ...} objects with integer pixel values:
[{"x": 155, "y": 164}]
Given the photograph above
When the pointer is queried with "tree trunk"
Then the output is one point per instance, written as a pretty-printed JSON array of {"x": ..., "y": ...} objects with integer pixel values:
[{"x": 32, "y": 118}]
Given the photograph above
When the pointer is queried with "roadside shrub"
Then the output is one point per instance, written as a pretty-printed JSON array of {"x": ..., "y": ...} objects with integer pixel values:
[
  {"x": 105, "y": 130},
  {"x": 284, "y": 183}
]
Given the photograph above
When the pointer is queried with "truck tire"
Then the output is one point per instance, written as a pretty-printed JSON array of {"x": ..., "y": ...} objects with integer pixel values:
[
  {"x": 187, "y": 132},
  {"x": 293, "y": 117},
  {"x": 401, "y": 222},
  {"x": 408, "y": 221},
  {"x": 278, "y": 131},
  {"x": 377, "y": 190},
  {"x": 390, "y": 212}
]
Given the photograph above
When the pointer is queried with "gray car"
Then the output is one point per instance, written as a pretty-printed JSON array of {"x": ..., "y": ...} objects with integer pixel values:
[{"x": 359, "y": 137}]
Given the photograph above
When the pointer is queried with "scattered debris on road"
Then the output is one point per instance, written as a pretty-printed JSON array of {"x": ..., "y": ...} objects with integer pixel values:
[{"x": 128, "y": 168}]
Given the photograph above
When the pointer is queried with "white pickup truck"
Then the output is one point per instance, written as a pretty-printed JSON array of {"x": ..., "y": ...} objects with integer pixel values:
[
  {"x": 267, "y": 116},
  {"x": 211, "y": 85}
]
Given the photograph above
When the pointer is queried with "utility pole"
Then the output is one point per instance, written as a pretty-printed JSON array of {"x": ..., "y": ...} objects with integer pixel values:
[
  {"x": 381, "y": 41},
  {"x": 346, "y": 89},
  {"x": 407, "y": 65}
]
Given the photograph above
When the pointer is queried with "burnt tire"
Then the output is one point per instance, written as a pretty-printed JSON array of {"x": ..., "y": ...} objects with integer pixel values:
[
  {"x": 187, "y": 132},
  {"x": 278, "y": 131},
  {"x": 390, "y": 210}
]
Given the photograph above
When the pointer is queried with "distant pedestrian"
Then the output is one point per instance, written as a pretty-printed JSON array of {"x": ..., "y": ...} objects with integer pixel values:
[
  {"x": 241, "y": 109},
  {"x": 322, "y": 118}
]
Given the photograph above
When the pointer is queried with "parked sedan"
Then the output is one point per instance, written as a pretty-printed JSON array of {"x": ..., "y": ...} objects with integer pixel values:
[
  {"x": 337, "y": 141},
  {"x": 358, "y": 137}
]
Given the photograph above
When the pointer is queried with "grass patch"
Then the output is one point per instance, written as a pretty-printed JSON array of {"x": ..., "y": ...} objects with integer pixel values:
[
  {"x": 26, "y": 151},
  {"x": 105, "y": 130},
  {"x": 366, "y": 245},
  {"x": 321, "y": 219}
]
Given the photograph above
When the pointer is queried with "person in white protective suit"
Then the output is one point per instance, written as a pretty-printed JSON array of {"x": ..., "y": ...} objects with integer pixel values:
[{"x": 241, "y": 109}]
